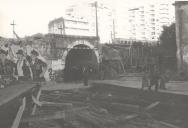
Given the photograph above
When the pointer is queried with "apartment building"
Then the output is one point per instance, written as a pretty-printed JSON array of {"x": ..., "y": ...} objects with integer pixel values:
[
  {"x": 105, "y": 18},
  {"x": 147, "y": 21}
]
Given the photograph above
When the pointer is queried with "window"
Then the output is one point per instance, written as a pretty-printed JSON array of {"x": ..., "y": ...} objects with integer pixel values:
[
  {"x": 142, "y": 12},
  {"x": 164, "y": 13},
  {"x": 163, "y": 8},
  {"x": 152, "y": 19},
  {"x": 164, "y": 4}
]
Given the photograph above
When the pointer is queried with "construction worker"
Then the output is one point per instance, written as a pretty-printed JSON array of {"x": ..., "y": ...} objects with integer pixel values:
[
  {"x": 85, "y": 75},
  {"x": 38, "y": 67},
  {"x": 145, "y": 80},
  {"x": 23, "y": 68},
  {"x": 154, "y": 78},
  {"x": 164, "y": 78},
  {"x": 7, "y": 68}
]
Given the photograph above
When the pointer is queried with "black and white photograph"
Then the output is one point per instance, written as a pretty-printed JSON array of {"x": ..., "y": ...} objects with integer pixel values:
[{"x": 93, "y": 64}]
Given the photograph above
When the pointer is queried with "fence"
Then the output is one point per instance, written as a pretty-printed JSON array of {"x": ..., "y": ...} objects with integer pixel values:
[{"x": 138, "y": 55}]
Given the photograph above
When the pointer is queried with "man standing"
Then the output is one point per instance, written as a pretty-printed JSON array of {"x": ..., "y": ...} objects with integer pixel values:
[
  {"x": 23, "y": 69},
  {"x": 154, "y": 77},
  {"x": 38, "y": 67},
  {"x": 85, "y": 76}
]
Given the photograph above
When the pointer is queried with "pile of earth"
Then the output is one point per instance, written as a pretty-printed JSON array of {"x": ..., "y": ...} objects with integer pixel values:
[{"x": 111, "y": 63}]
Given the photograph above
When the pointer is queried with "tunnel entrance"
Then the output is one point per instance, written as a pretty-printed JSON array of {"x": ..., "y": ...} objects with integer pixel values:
[{"x": 79, "y": 56}]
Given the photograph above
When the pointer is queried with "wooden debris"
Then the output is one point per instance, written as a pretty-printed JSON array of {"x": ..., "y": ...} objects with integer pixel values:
[
  {"x": 37, "y": 99},
  {"x": 49, "y": 116},
  {"x": 89, "y": 119},
  {"x": 45, "y": 103},
  {"x": 19, "y": 114},
  {"x": 151, "y": 106},
  {"x": 40, "y": 117},
  {"x": 97, "y": 111},
  {"x": 169, "y": 125},
  {"x": 105, "y": 118},
  {"x": 133, "y": 116},
  {"x": 126, "y": 118},
  {"x": 126, "y": 107},
  {"x": 37, "y": 102}
]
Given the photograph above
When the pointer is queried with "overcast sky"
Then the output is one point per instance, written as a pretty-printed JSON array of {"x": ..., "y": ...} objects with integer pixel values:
[{"x": 32, "y": 16}]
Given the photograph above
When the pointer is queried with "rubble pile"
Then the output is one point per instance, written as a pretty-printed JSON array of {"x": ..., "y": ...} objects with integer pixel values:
[{"x": 87, "y": 108}]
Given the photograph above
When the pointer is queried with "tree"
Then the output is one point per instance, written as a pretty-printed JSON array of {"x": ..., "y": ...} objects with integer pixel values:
[
  {"x": 168, "y": 41},
  {"x": 168, "y": 46}
]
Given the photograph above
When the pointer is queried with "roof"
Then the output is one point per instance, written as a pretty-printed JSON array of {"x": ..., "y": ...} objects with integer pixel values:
[
  {"x": 71, "y": 36},
  {"x": 61, "y": 19}
]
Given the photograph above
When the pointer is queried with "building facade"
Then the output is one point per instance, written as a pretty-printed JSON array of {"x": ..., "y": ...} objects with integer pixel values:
[
  {"x": 69, "y": 26},
  {"x": 147, "y": 21},
  {"x": 82, "y": 22}
]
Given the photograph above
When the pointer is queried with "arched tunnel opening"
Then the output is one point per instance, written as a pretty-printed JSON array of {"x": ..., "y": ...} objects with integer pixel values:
[{"x": 78, "y": 57}]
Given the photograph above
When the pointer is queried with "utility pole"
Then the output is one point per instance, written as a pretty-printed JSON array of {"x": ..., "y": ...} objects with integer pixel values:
[
  {"x": 64, "y": 26},
  {"x": 96, "y": 18},
  {"x": 114, "y": 30},
  {"x": 13, "y": 27}
]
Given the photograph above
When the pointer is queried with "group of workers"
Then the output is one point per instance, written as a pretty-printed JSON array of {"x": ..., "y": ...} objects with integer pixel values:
[
  {"x": 24, "y": 69},
  {"x": 155, "y": 78}
]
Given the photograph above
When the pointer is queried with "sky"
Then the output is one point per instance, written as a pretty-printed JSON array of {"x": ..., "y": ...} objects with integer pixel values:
[{"x": 32, "y": 16}]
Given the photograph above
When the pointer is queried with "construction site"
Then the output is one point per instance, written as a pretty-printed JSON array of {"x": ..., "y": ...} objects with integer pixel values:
[
  {"x": 113, "y": 98},
  {"x": 90, "y": 84}
]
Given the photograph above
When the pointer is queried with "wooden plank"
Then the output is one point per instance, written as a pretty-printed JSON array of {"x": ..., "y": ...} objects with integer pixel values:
[
  {"x": 126, "y": 107},
  {"x": 9, "y": 93},
  {"x": 126, "y": 118},
  {"x": 19, "y": 114},
  {"x": 168, "y": 124},
  {"x": 44, "y": 103},
  {"x": 133, "y": 116},
  {"x": 41, "y": 117},
  {"x": 49, "y": 116},
  {"x": 35, "y": 106},
  {"x": 36, "y": 102},
  {"x": 151, "y": 106}
]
